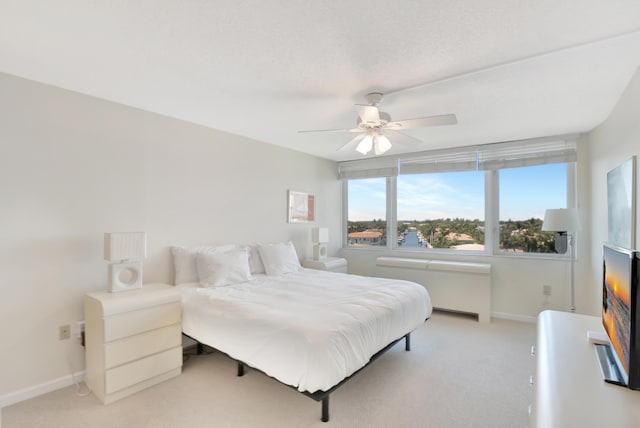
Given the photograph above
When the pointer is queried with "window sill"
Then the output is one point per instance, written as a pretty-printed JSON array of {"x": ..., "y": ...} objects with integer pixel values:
[{"x": 398, "y": 252}]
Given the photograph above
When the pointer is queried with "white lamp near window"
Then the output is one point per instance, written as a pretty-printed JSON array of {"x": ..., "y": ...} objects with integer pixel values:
[
  {"x": 320, "y": 238},
  {"x": 564, "y": 220},
  {"x": 125, "y": 251}
]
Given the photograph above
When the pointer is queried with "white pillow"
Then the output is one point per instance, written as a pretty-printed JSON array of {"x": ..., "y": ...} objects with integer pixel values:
[
  {"x": 255, "y": 262},
  {"x": 280, "y": 258},
  {"x": 223, "y": 267},
  {"x": 184, "y": 261}
]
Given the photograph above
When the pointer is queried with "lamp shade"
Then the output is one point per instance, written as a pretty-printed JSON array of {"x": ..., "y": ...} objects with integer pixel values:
[
  {"x": 125, "y": 246},
  {"x": 560, "y": 220},
  {"x": 381, "y": 144},
  {"x": 320, "y": 234},
  {"x": 365, "y": 145}
]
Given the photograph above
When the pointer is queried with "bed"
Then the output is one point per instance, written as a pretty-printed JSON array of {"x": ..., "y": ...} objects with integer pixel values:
[{"x": 309, "y": 329}]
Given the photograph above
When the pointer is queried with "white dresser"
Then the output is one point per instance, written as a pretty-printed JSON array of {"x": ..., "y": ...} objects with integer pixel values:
[
  {"x": 133, "y": 339},
  {"x": 333, "y": 264},
  {"x": 569, "y": 390}
]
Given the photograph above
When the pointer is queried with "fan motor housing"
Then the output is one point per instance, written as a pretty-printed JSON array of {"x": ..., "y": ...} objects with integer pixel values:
[
  {"x": 384, "y": 119},
  {"x": 374, "y": 98}
]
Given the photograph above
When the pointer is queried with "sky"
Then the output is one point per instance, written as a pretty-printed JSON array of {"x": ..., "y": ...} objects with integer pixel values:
[{"x": 524, "y": 193}]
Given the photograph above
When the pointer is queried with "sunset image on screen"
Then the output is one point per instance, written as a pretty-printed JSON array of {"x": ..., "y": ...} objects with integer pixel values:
[{"x": 616, "y": 304}]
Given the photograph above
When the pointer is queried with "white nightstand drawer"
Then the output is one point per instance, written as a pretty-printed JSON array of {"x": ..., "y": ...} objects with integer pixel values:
[
  {"x": 140, "y": 370},
  {"x": 130, "y": 323},
  {"x": 134, "y": 347}
]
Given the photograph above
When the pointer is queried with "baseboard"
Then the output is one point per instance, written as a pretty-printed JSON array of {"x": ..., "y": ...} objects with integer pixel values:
[
  {"x": 514, "y": 317},
  {"x": 43, "y": 388}
]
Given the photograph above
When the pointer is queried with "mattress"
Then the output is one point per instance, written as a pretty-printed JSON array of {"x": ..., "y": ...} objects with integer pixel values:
[{"x": 308, "y": 329}]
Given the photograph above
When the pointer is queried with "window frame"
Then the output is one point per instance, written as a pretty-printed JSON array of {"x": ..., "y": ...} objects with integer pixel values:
[
  {"x": 491, "y": 218},
  {"x": 395, "y": 245}
]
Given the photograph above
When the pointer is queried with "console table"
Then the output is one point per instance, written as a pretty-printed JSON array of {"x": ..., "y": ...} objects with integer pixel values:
[{"x": 569, "y": 390}]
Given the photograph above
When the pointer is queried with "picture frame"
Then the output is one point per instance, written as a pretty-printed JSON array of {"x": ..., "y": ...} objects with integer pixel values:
[
  {"x": 621, "y": 204},
  {"x": 301, "y": 207}
]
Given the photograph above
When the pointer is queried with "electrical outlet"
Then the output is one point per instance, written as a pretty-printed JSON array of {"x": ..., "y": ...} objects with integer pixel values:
[
  {"x": 64, "y": 332},
  {"x": 546, "y": 290}
]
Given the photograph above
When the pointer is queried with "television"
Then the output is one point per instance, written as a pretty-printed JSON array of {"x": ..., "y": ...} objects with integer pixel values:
[{"x": 620, "y": 361}]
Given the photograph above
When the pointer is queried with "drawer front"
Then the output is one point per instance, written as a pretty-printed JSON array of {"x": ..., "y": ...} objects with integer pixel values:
[
  {"x": 136, "y": 322},
  {"x": 140, "y": 370},
  {"x": 135, "y": 347}
]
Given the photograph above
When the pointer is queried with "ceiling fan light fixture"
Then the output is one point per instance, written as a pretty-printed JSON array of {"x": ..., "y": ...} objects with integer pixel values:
[
  {"x": 372, "y": 124},
  {"x": 381, "y": 144},
  {"x": 365, "y": 145}
]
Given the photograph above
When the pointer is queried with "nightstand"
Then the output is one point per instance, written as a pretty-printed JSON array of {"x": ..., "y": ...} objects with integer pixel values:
[
  {"x": 133, "y": 339},
  {"x": 334, "y": 264}
]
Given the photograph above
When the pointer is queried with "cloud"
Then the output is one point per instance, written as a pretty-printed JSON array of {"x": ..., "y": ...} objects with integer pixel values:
[{"x": 432, "y": 196}]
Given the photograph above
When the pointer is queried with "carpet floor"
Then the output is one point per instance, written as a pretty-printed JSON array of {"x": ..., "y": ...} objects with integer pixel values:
[{"x": 459, "y": 373}]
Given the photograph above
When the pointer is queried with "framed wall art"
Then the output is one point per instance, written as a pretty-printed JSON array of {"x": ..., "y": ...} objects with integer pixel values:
[
  {"x": 301, "y": 207},
  {"x": 621, "y": 204}
]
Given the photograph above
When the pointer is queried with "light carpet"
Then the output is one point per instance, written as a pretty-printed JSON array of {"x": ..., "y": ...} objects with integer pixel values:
[{"x": 459, "y": 373}]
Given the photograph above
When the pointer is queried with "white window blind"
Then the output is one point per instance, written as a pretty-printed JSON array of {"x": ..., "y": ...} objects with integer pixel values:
[
  {"x": 386, "y": 166},
  {"x": 463, "y": 159},
  {"x": 512, "y": 154},
  {"x": 516, "y": 154}
]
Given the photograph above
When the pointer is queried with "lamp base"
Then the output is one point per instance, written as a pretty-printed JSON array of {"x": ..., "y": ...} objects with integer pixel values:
[
  {"x": 124, "y": 276},
  {"x": 319, "y": 252}
]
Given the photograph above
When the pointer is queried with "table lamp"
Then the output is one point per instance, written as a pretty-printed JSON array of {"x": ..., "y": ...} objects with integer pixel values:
[
  {"x": 564, "y": 220},
  {"x": 320, "y": 238},
  {"x": 124, "y": 251}
]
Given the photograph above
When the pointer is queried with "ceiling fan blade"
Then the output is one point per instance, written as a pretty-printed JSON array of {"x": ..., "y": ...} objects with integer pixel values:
[
  {"x": 370, "y": 115},
  {"x": 423, "y": 122},
  {"x": 351, "y": 142},
  {"x": 334, "y": 130},
  {"x": 400, "y": 138}
]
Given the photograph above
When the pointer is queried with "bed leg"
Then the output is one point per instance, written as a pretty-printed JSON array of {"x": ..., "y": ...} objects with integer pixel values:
[
  {"x": 407, "y": 342},
  {"x": 240, "y": 369},
  {"x": 325, "y": 409}
]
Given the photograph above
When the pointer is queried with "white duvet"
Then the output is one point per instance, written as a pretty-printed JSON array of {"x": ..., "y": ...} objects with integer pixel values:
[{"x": 308, "y": 329}]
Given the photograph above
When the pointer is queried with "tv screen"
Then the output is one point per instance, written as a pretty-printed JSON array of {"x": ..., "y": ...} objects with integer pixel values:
[{"x": 618, "y": 271}]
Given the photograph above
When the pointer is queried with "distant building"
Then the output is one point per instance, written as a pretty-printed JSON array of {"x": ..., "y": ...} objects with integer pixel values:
[
  {"x": 469, "y": 247},
  {"x": 461, "y": 238},
  {"x": 368, "y": 237}
]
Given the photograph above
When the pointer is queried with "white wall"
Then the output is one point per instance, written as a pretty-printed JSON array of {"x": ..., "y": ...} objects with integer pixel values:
[
  {"x": 610, "y": 144},
  {"x": 73, "y": 167},
  {"x": 516, "y": 290}
]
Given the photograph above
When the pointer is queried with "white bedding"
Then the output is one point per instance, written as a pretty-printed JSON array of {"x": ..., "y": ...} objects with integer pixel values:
[{"x": 308, "y": 329}]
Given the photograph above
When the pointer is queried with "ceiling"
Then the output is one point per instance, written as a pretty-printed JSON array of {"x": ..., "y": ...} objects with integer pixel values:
[{"x": 266, "y": 69}]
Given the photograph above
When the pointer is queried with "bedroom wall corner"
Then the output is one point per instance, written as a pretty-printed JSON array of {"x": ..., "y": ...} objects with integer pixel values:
[{"x": 611, "y": 143}]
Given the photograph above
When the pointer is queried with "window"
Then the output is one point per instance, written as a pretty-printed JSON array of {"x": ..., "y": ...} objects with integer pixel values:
[
  {"x": 441, "y": 210},
  {"x": 366, "y": 214},
  {"x": 525, "y": 194},
  {"x": 489, "y": 198}
]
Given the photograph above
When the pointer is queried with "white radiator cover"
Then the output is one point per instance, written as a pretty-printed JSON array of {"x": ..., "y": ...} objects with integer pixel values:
[{"x": 455, "y": 286}]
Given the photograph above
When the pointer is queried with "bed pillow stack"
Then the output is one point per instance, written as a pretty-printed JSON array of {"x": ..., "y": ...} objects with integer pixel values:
[
  {"x": 220, "y": 268},
  {"x": 185, "y": 261},
  {"x": 231, "y": 264},
  {"x": 279, "y": 259}
]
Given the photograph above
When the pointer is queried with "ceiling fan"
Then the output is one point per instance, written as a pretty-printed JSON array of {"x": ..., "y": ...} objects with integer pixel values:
[{"x": 376, "y": 129}]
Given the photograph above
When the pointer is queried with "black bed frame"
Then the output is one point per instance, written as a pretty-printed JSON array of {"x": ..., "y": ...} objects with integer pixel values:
[{"x": 318, "y": 395}]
